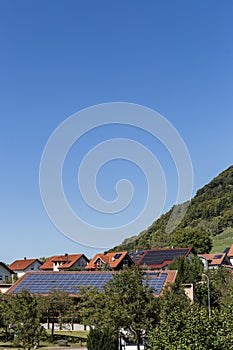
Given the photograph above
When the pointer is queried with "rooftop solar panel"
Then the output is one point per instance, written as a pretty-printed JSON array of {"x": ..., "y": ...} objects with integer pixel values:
[
  {"x": 135, "y": 256},
  {"x": 157, "y": 283},
  {"x": 157, "y": 257},
  {"x": 43, "y": 283}
]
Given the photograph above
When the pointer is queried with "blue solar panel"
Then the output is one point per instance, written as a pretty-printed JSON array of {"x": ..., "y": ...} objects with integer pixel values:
[
  {"x": 116, "y": 256},
  {"x": 44, "y": 283},
  {"x": 154, "y": 274},
  {"x": 157, "y": 283}
]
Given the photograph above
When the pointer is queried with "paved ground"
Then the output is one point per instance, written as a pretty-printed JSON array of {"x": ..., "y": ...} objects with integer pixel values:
[
  {"x": 48, "y": 348},
  {"x": 65, "y": 348}
]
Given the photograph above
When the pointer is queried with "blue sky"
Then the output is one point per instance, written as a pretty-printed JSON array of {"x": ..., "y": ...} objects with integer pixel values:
[{"x": 58, "y": 57}]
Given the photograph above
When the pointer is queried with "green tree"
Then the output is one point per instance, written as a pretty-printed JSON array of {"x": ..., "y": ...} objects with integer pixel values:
[
  {"x": 23, "y": 313},
  {"x": 221, "y": 288},
  {"x": 200, "y": 241},
  {"x": 102, "y": 339},
  {"x": 56, "y": 308},
  {"x": 192, "y": 329},
  {"x": 190, "y": 270},
  {"x": 126, "y": 303}
]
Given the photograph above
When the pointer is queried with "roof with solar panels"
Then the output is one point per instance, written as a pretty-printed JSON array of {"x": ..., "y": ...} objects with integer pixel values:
[
  {"x": 160, "y": 258},
  {"x": 215, "y": 260},
  {"x": 43, "y": 283}
]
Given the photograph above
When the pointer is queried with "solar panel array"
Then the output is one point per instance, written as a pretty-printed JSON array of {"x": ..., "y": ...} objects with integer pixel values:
[
  {"x": 157, "y": 257},
  {"x": 45, "y": 283},
  {"x": 218, "y": 256},
  {"x": 157, "y": 283},
  {"x": 117, "y": 256},
  {"x": 135, "y": 256}
]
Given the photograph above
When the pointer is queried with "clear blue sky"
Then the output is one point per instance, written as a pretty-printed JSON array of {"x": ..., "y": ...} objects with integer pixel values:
[{"x": 58, "y": 57}]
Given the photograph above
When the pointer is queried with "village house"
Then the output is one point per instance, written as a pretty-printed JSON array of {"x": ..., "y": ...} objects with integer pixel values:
[
  {"x": 212, "y": 261},
  {"x": 65, "y": 262},
  {"x": 159, "y": 259},
  {"x": 110, "y": 261},
  {"x": 20, "y": 267},
  {"x": 6, "y": 273}
]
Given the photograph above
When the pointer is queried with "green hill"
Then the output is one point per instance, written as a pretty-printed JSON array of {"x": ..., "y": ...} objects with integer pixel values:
[{"x": 210, "y": 213}]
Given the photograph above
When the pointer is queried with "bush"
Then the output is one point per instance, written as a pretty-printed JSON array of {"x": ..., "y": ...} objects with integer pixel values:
[{"x": 102, "y": 339}]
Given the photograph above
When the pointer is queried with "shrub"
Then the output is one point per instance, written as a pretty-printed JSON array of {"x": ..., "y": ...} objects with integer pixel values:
[{"x": 102, "y": 339}]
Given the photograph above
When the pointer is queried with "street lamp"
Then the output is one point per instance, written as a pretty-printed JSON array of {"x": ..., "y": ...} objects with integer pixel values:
[{"x": 208, "y": 287}]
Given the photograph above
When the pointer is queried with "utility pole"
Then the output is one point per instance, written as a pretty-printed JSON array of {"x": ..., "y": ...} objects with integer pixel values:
[{"x": 208, "y": 288}]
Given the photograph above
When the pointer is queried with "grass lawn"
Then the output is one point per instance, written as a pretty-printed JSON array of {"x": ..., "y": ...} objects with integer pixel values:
[
  {"x": 75, "y": 334},
  {"x": 222, "y": 241},
  {"x": 75, "y": 339}
]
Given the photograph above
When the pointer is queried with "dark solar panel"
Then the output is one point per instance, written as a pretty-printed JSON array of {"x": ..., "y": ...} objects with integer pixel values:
[
  {"x": 218, "y": 256},
  {"x": 157, "y": 257},
  {"x": 43, "y": 283},
  {"x": 116, "y": 256},
  {"x": 135, "y": 256}
]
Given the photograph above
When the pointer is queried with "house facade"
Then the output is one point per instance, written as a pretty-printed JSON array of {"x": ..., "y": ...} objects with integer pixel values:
[
  {"x": 6, "y": 273},
  {"x": 110, "y": 261},
  {"x": 213, "y": 261},
  {"x": 20, "y": 267},
  {"x": 65, "y": 262}
]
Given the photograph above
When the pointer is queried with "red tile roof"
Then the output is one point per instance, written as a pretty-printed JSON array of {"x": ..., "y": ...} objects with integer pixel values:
[
  {"x": 113, "y": 259},
  {"x": 67, "y": 260},
  {"x": 20, "y": 265},
  {"x": 214, "y": 259},
  {"x": 230, "y": 253}
]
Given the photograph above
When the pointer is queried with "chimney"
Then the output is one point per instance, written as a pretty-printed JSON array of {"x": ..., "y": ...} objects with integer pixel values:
[{"x": 25, "y": 258}]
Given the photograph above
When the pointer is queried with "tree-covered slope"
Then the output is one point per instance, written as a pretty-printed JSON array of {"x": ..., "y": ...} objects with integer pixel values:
[{"x": 209, "y": 214}]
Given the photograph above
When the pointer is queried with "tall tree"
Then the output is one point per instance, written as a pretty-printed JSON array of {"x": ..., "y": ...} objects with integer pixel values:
[
  {"x": 22, "y": 312},
  {"x": 125, "y": 304},
  {"x": 190, "y": 270},
  {"x": 56, "y": 308},
  {"x": 199, "y": 240}
]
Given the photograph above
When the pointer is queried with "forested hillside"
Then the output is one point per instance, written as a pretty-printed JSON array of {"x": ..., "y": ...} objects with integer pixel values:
[{"x": 208, "y": 220}]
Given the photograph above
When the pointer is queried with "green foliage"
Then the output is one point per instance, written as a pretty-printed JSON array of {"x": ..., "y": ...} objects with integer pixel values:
[
  {"x": 124, "y": 303},
  {"x": 209, "y": 213},
  {"x": 22, "y": 312},
  {"x": 57, "y": 307},
  {"x": 200, "y": 241},
  {"x": 102, "y": 339},
  {"x": 189, "y": 270},
  {"x": 193, "y": 329}
]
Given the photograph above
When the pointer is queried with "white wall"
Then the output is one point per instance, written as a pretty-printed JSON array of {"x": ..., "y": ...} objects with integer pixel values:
[
  {"x": 33, "y": 267},
  {"x": 4, "y": 273}
]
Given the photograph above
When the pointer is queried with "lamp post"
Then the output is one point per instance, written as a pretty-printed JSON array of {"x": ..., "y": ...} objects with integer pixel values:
[{"x": 208, "y": 287}]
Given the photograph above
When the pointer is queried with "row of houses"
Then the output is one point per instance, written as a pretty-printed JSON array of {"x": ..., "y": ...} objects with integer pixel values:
[{"x": 152, "y": 259}]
